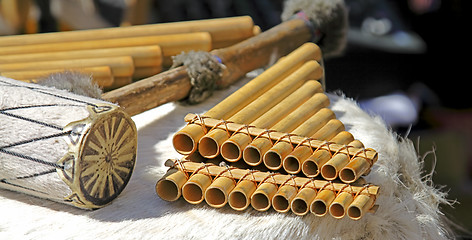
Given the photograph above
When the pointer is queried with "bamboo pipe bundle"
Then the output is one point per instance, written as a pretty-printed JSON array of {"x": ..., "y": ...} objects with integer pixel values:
[
  {"x": 224, "y": 32},
  {"x": 185, "y": 141},
  {"x": 120, "y": 66},
  {"x": 316, "y": 145},
  {"x": 170, "y": 45},
  {"x": 210, "y": 143},
  {"x": 208, "y": 181},
  {"x": 295, "y": 160},
  {"x": 101, "y": 75},
  {"x": 252, "y": 154},
  {"x": 323, "y": 121},
  {"x": 144, "y": 57},
  {"x": 231, "y": 149}
]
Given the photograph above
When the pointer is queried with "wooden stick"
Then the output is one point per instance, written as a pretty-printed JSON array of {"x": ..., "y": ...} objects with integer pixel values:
[
  {"x": 221, "y": 30},
  {"x": 239, "y": 59},
  {"x": 101, "y": 75}
]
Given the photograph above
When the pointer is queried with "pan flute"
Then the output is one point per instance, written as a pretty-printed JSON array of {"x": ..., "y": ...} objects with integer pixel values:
[
  {"x": 116, "y": 56},
  {"x": 279, "y": 122}
]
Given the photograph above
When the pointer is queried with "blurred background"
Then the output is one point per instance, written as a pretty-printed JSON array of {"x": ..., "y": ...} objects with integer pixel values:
[{"x": 403, "y": 61}]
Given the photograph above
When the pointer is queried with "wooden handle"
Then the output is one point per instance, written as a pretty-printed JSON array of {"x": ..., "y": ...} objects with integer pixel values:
[
  {"x": 248, "y": 55},
  {"x": 259, "y": 50},
  {"x": 168, "y": 86}
]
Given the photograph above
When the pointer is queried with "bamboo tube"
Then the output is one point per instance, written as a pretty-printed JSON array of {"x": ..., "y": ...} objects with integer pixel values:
[
  {"x": 300, "y": 204},
  {"x": 322, "y": 201},
  {"x": 143, "y": 56},
  {"x": 282, "y": 199},
  {"x": 240, "y": 197},
  {"x": 361, "y": 204},
  {"x": 194, "y": 189},
  {"x": 209, "y": 145},
  {"x": 101, "y": 75},
  {"x": 330, "y": 169},
  {"x": 273, "y": 158},
  {"x": 261, "y": 199},
  {"x": 252, "y": 154},
  {"x": 327, "y": 132},
  {"x": 295, "y": 161},
  {"x": 170, "y": 45},
  {"x": 185, "y": 140},
  {"x": 170, "y": 185},
  {"x": 221, "y": 30},
  {"x": 337, "y": 209},
  {"x": 216, "y": 195},
  {"x": 120, "y": 66},
  {"x": 355, "y": 168},
  {"x": 231, "y": 149}
]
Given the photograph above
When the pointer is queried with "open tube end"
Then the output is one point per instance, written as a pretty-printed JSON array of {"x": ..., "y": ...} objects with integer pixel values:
[
  {"x": 291, "y": 164},
  {"x": 168, "y": 190},
  {"x": 299, "y": 207},
  {"x": 310, "y": 169},
  {"x": 238, "y": 200},
  {"x": 208, "y": 147},
  {"x": 272, "y": 160},
  {"x": 347, "y": 175},
  {"x": 183, "y": 143},
  {"x": 231, "y": 151}
]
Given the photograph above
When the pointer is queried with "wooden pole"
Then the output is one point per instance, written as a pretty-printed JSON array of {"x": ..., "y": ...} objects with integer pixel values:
[{"x": 239, "y": 59}]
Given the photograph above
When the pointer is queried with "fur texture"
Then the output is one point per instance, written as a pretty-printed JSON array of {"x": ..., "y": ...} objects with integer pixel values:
[
  {"x": 328, "y": 16},
  {"x": 408, "y": 202}
]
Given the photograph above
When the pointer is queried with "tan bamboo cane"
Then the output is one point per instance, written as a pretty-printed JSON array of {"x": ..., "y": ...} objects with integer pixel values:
[
  {"x": 120, "y": 66},
  {"x": 231, "y": 149},
  {"x": 273, "y": 157},
  {"x": 185, "y": 141},
  {"x": 101, "y": 75},
  {"x": 170, "y": 45},
  {"x": 330, "y": 169},
  {"x": 222, "y": 30},
  {"x": 360, "y": 206},
  {"x": 252, "y": 154},
  {"x": 210, "y": 143},
  {"x": 239, "y": 59},
  {"x": 143, "y": 56},
  {"x": 295, "y": 160}
]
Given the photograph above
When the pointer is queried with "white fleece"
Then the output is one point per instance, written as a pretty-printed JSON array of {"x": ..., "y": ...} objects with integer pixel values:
[{"x": 408, "y": 203}]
